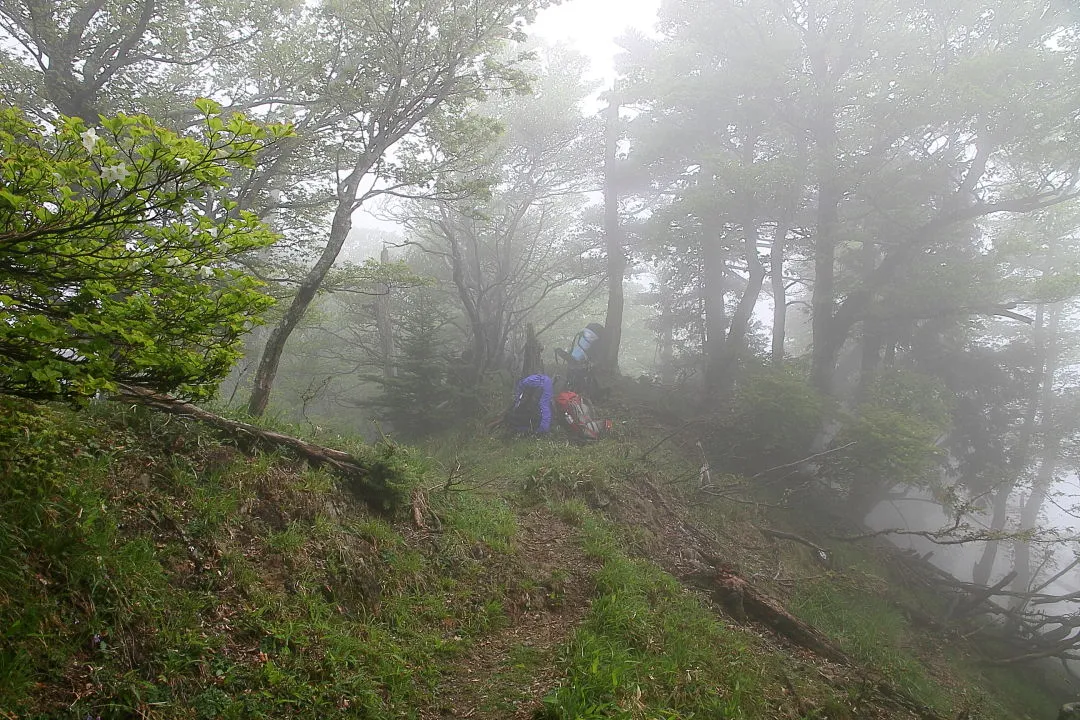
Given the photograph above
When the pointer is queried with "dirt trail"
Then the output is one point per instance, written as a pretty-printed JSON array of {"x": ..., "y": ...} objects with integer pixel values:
[{"x": 507, "y": 674}]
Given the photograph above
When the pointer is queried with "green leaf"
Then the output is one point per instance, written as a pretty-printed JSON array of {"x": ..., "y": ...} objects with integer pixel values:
[{"x": 11, "y": 200}]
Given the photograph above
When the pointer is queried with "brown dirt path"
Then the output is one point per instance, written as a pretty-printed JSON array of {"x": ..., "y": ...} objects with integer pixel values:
[{"x": 507, "y": 674}]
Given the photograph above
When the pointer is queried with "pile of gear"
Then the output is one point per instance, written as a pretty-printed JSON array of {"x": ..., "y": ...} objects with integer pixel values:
[{"x": 536, "y": 406}]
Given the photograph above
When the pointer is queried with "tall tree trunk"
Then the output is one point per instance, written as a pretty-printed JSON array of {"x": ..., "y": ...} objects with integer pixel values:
[
  {"x": 829, "y": 58},
  {"x": 275, "y": 345},
  {"x": 779, "y": 292},
  {"x": 384, "y": 323},
  {"x": 984, "y": 566},
  {"x": 347, "y": 203},
  {"x": 533, "y": 353},
  {"x": 616, "y": 254},
  {"x": 666, "y": 340},
  {"x": 872, "y": 338},
  {"x": 716, "y": 321},
  {"x": 737, "y": 342},
  {"x": 827, "y": 341},
  {"x": 1029, "y": 513},
  {"x": 983, "y": 569},
  {"x": 827, "y": 337}
]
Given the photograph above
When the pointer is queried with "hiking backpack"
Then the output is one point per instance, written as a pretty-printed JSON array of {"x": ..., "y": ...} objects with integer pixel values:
[
  {"x": 587, "y": 344},
  {"x": 576, "y": 416},
  {"x": 584, "y": 351}
]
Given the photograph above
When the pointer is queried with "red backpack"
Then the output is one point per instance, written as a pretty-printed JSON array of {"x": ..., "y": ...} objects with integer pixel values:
[{"x": 575, "y": 416}]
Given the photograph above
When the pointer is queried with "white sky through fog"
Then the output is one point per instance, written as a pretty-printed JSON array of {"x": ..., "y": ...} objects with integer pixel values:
[{"x": 589, "y": 26}]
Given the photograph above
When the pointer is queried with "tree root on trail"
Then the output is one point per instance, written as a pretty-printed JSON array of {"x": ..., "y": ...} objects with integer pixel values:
[
  {"x": 377, "y": 496},
  {"x": 422, "y": 512}
]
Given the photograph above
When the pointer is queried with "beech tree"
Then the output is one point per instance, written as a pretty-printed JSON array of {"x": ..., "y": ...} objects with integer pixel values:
[
  {"x": 83, "y": 58},
  {"x": 118, "y": 244},
  {"x": 512, "y": 249},
  {"x": 707, "y": 148},
  {"x": 354, "y": 81},
  {"x": 874, "y": 133},
  {"x": 397, "y": 73}
]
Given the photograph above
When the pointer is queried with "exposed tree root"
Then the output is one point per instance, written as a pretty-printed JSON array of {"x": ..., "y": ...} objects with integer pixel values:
[{"x": 378, "y": 496}]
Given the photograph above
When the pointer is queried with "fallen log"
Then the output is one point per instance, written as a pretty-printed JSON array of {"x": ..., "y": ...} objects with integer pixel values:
[
  {"x": 744, "y": 602},
  {"x": 370, "y": 487}
]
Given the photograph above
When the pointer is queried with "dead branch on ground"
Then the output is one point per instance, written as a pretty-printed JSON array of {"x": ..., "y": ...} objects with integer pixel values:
[
  {"x": 820, "y": 553},
  {"x": 806, "y": 459},
  {"x": 341, "y": 462}
]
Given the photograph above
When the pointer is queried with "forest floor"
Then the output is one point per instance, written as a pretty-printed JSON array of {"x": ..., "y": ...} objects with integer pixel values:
[{"x": 150, "y": 569}]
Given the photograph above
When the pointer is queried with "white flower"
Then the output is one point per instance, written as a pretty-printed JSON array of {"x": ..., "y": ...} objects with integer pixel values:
[
  {"x": 183, "y": 163},
  {"x": 89, "y": 139},
  {"x": 114, "y": 173},
  {"x": 206, "y": 272}
]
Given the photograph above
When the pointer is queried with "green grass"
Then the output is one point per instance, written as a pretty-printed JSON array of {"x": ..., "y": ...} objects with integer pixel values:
[
  {"x": 649, "y": 649},
  {"x": 535, "y": 469},
  {"x": 162, "y": 588},
  {"x": 148, "y": 571},
  {"x": 871, "y": 630},
  {"x": 572, "y": 512},
  {"x": 476, "y": 520}
]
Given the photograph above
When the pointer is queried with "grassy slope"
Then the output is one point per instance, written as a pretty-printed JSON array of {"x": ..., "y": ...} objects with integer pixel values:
[{"x": 147, "y": 570}]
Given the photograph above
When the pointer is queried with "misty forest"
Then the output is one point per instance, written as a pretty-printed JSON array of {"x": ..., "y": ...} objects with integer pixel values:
[{"x": 381, "y": 359}]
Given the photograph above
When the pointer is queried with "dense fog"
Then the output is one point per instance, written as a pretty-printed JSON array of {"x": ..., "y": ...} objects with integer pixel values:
[{"x": 839, "y": 240}]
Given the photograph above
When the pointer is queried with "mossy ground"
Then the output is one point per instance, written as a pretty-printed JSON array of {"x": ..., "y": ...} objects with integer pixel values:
[{"x": 148, "y": 569}]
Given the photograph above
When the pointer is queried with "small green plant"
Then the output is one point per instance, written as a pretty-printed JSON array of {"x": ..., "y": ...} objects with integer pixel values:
[
  {"x": 391, "y": 473},
  {"x": 600, "y": 541},
  {"x": 555, "y": 587},
  {"x": 376, "y": 531},
  {"x": 489, "y": 521},
  {"x": 288, "y": 541},
  {"x": 571, "y": 512}
]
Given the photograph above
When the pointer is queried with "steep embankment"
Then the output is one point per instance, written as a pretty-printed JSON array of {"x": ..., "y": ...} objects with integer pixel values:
[{"x": 149, "y": 569}]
